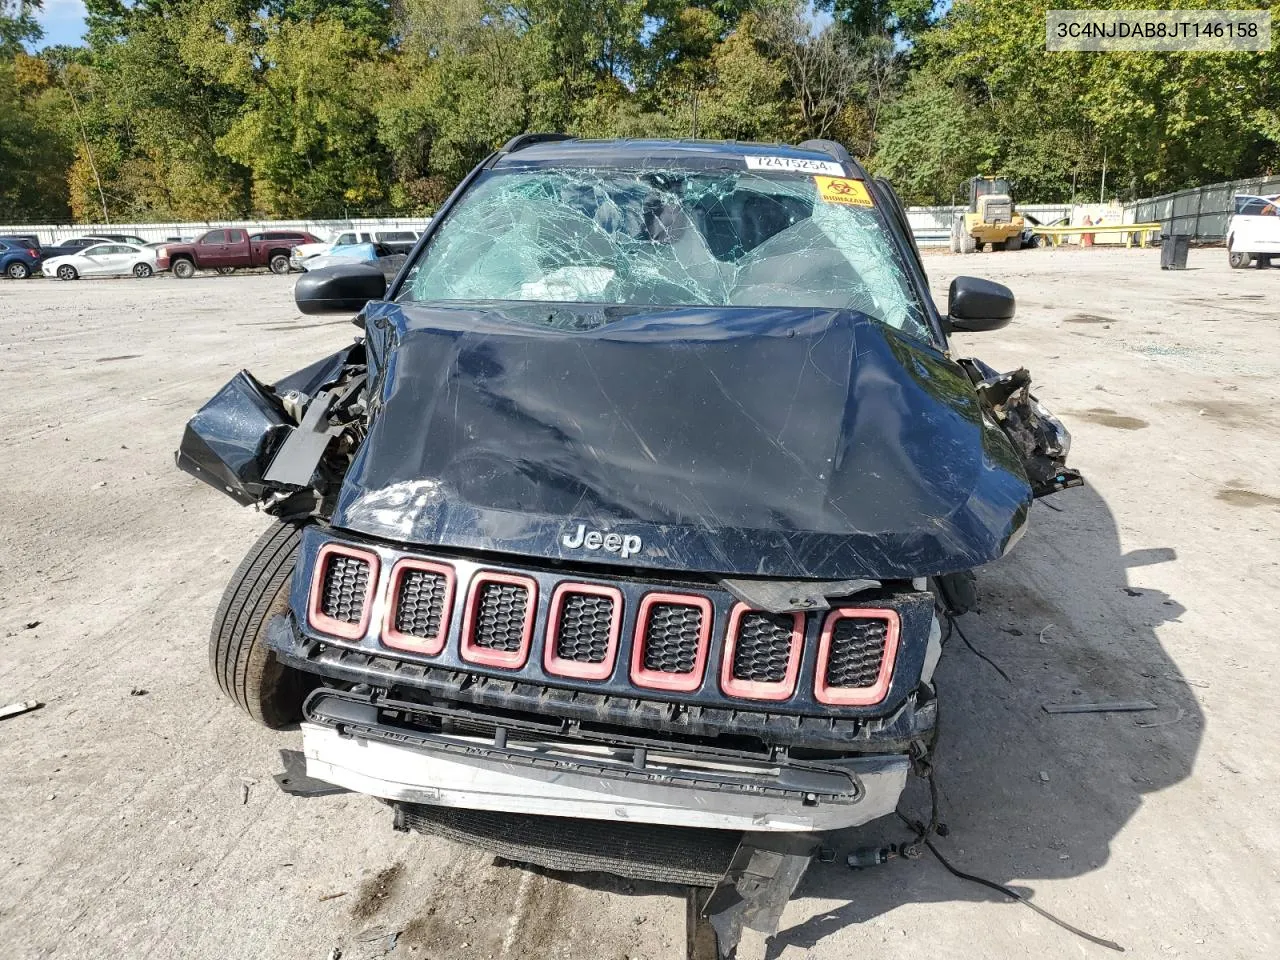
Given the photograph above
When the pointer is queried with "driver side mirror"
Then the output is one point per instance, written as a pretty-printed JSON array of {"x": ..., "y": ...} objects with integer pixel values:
[
  {"x": 974, "y": 305},
  {"x": 341, "y": 289}
]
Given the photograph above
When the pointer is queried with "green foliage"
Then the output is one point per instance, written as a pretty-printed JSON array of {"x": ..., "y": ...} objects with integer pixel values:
[
  {"x": 190, "y": 109},
  {"x": 34, "y": 151},
  {"x": 1158, "y": 121},
  {"x": 18, "y": 25}
]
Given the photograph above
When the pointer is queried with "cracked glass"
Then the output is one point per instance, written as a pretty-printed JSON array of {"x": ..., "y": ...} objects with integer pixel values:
[{"x": 676, "y": 238}]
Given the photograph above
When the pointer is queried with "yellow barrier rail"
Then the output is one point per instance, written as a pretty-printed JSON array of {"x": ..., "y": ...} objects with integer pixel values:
[{"x": 1140, "y": 231}]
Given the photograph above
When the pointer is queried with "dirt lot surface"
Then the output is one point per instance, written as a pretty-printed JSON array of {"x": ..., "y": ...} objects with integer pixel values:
[{"x": 138, "y": 817}]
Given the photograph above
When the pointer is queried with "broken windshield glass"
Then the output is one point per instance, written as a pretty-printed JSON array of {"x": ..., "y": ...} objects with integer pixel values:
[{"x": 675, "y": 238}]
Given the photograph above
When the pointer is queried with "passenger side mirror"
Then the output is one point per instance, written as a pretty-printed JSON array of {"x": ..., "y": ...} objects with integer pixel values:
[
  {"x": 342, "y": 289},
  {"x": 974, "y": 305}
]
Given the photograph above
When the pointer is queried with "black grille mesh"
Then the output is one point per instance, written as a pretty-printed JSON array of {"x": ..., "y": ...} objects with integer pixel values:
[
  {"x": 857, "y": 649},
  {"x": 671, "y": 637},
  {"x": 420, "y": 604},
  {"x": 586, "y": 620},
  {"x": 763, "y": 647},
  {"x": 346, "y": 581},
  {"x": 500, "y": 616}
]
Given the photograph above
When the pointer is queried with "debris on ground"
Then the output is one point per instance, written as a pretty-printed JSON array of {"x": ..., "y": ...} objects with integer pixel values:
[
  {"x": 14, "y": 709},
  {"x": 1148, "y": 724},
  {"x": 1113, "y": 706}
]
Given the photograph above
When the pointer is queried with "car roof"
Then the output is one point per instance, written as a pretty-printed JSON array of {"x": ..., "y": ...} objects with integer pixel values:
[{"x": 704, "y": 154}]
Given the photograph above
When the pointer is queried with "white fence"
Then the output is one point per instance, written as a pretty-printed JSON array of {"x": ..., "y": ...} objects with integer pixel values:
[
  {"x": 51, "y": 234},
  {"x": 931, "y": 225}
]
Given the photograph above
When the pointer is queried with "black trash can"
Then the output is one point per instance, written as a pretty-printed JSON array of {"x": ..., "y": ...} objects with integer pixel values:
[{"x": 1173, "y": 251}]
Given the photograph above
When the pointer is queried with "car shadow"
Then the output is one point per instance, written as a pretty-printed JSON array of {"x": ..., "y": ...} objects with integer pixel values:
[{"x": 1027, "y": 794}]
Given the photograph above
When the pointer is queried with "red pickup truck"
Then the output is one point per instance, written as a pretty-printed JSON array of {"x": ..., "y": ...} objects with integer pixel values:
[{"x": 230, "y": 249}]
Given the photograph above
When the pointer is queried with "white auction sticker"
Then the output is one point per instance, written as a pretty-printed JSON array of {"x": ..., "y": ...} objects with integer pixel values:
[{"x": 795, "y": 165}]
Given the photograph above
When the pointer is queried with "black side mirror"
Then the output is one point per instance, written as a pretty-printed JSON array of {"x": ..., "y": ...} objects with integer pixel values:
[
  {"x": 345, "y": 288},
  {"x": 974, "y": 305}
]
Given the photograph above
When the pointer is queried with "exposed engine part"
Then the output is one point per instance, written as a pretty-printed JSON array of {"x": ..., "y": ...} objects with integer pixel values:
[
  {"x": 1040, "y": 438},
  {"x": 957, "y": 591}
]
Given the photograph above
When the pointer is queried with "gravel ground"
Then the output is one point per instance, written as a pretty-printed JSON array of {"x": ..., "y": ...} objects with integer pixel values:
[{"x": 138, "y": 817}]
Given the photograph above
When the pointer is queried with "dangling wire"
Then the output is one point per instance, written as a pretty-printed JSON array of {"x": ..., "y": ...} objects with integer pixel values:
[
  {"x": 924, "y": 768},
  {"x": 953, "y": 625}
]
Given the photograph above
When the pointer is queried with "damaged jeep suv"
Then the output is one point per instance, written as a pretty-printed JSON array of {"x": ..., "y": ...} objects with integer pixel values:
[{"x": 638, "y": 499}]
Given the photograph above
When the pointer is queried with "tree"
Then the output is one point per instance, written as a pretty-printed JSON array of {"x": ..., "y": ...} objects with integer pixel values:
[{"x": 34, "y": 149}]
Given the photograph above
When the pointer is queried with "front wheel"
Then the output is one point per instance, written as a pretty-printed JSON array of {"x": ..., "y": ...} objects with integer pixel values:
[
  {"x": 18, "y": 270},
  {"x": 1014, "y": 243},
  {"x": 184, "y": 269},
  {"x": 142, "y": 270},
  {"x": 67, "y": 272},
  {"x": 279, "y": 264},
  {"x": 244, "y": 666},
  {"x": 1238, "y": 259}
]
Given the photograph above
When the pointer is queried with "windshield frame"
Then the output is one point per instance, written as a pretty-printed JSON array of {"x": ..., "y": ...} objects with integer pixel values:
[{"x": 888, "y": 208}]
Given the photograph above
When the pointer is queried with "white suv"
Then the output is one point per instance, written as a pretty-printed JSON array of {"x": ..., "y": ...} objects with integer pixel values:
[{"x": 1253, "y": 234}]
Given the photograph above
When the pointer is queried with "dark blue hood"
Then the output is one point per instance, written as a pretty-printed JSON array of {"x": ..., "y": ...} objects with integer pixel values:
[{"x": 788, "y": 443}]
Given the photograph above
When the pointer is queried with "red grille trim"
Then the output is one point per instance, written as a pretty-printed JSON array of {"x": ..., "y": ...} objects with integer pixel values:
[
  {"x": 316, "y": 618},
  {"x": 656, "y": 679},
  {"x": 552, "y": 662},
  {"x": 508, "y": 660},
  {"x": 392, "y": 637},
  {"x": 752, "y": 689},
  {"x": 857, "y": 696}
]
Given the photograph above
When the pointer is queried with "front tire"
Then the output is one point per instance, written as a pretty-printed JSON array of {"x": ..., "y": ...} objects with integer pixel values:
[
  {"x": 1238, "y": 259},
  {"x": 184, "y": 269},
  {"x": 279, "y": 264},
  {"x": 18, "y": 270},
  {"x": 244, "y": 666},
  {"x": 142, "y": 270},
  {"x": 67, "y": 272},
  {"x": 1014, "y": 243}
]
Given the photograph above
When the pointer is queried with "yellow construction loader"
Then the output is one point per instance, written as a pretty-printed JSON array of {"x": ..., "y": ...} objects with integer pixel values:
[{"x": 990, "y": 218}]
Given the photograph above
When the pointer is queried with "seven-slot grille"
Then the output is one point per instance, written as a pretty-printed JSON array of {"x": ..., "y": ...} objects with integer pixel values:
[
  {"x": 671, "y": 638},
  {"x": 855, "y": 656},
  {"x": 499, "y": 619},
  {"x": 586, "y": 620},
  {"x": 763, "y": 647},
  {"x": 760, "y": 659},
  {"x": 420, "y": 603},
  {"x": 341, "y": 594},
  {"x": 582, "y": 630},
  {"x": 857, "y": 650},
  {"x": 501, "y": 613},
  {"x": 421, "y": 595},
  {"x": 669, "y": 651}
]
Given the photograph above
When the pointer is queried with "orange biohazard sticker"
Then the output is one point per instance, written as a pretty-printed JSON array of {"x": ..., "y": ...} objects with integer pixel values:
[{"x": 843, "y": 190}]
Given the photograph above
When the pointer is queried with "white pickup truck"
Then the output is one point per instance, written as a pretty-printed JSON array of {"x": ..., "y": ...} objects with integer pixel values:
[
  {"x": 1253, "y": 233},
  {"x": 397, "y": 241}
]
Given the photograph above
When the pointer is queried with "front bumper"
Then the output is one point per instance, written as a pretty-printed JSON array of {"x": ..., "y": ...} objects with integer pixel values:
[{"x": 391, "y": 750}]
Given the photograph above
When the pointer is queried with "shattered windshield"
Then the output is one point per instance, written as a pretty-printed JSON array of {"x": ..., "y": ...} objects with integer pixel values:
[{"x": 673, "y": 238}]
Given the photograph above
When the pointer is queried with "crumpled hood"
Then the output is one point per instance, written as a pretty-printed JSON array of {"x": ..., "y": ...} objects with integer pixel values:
[{"x": 788, "y": 443}]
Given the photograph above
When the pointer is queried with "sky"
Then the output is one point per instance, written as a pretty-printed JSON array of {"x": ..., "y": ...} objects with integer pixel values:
[{"x": 63, "y": 23}]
